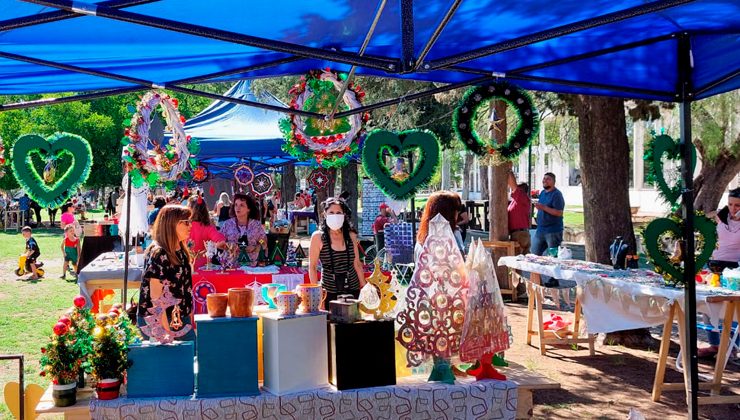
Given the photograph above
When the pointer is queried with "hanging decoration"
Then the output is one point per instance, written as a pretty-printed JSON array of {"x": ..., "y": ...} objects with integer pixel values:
[
  {"x": 331, "y": 143},
  {"x": 377, "y": 297},
  {"x": 262, "y": 184},
  {"x": 200, "y": 174},
  {"x": 668, "y": 231},
  {"x": 398, "y": 183},
  {"x": 660, "y": 147},
  {"x": 484, "y": 332},
  {"x": 464, "y": 118},
  {"x": 158, "y": 164},
  {"x": 319, "y": 179},
  {"x": 156, "y": 324},
  {"x": 54, "y": 193},
  {"x": 138, "y": 226},
  {"x": 243, "y": 175},
  {"x": 432, "y": 322}
]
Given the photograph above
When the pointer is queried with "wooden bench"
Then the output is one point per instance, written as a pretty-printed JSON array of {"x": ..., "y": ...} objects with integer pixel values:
[
  {"x": 79, "y": 411},
  {"x": 527, "y": 381}
]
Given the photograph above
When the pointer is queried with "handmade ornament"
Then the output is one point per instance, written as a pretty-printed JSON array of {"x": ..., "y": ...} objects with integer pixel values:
[
  {"x": 154, "y": 164},
  {"x": 211, "y": 251},
  {"x": 53, "y": 147},
  {"x": 382, "y": 302},
  {"x": 31, "y": 396},
  {"x": 484, "y": 331},
  {"x": 138, "y": 225},
  {"x": 157, "y": 326},
  {"x": 290, "y": 258},
  {"x": 319, "y": 179},
  {"x": 464, "y": 118},
  {"x": 262, "y": 184},
  {"x": 432, "y": 321},
  {"x": 660, "y": 147},
  {"x": 243, "y": 175},
  {"x": 671, "y": 229},
  {"x": 200, "y": 174},
  {"x": 330, "y": 142},
  {"x": 399, "y": 184}
]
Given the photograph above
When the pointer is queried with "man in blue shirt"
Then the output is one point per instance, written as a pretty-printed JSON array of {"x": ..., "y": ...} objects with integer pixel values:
[{"x": 550, "y": 207}]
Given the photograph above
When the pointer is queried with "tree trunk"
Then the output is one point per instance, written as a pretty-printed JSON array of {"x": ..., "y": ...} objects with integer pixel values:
[
  {"x": 467, "y": 176},
  {"x": 288, "y": 184},
  {"x": 713, "y": 178},
  {"x": 446, "y": 168},
  {"x": 483, "y": 171},
  {"x": 498, "y": 184},
  {"x": 322, "y": 195},
  {"x": 605, "y": 165},
  {"x": 349, "y": 184}
]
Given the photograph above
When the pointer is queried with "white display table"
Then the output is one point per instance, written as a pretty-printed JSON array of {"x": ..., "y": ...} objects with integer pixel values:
[{"x": 295, "y": 350}]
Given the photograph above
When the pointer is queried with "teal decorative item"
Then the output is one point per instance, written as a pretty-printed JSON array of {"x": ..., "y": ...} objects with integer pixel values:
[
  {"x": 270, "y": 291},
  {"x": 399, "y": 184},
  {"x": 51, "y": 149}
]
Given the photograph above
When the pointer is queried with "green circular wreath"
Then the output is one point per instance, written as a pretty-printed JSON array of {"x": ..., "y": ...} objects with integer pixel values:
[
  {"x": 51, "y": 148},
  {"x": 463, "y": 119},
  {"x": 655, "y": 149}
]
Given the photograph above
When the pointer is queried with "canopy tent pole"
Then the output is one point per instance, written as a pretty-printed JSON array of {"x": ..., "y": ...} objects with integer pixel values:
[
  {"x": 63, "y": 99},
  {"x": 407, "y": 36},
  {"x": 207, "y": 78},
  {"x": 126, "y": 241},
  {"x": 435, "y": 35},
  {"x": 57, "y": 15},
  {"x": 556, "y": 32},
  {"x": 685, "y": 68},
  {"x": 99, "y": 10}
]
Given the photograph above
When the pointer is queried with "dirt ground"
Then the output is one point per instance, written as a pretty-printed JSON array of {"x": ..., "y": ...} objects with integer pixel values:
[{"x": 608, "y": 384}]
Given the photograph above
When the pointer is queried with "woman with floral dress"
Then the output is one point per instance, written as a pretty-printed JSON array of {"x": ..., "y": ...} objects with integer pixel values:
[
  {"x": 165, "y": 294},
  {"x": 244, "y": 228}
]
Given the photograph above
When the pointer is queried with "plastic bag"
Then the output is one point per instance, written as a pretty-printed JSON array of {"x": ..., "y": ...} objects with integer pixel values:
[
  {"x": 564, "y": 253},
  {"x": 369, "y": 297}
]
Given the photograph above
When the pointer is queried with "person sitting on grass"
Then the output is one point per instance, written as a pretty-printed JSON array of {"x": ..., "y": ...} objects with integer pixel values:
[
  {"x": 70, "y": 252},
  {"x": 32, "y": 252}
]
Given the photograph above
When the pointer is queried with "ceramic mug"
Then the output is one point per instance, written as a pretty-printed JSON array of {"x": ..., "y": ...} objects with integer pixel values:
[
  {"x": 287, "y": 302},
  {"x": 240, "y": 302},
  {"x": 217, "y": 304},
  {"x": 270, "y": 291},
  {"x": 312, "y": 296}
]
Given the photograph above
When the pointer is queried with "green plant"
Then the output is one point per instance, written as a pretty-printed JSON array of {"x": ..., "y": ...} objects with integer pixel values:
[
  {"x": 112, "y": 335},
  {"x": 60, "y": 358}
]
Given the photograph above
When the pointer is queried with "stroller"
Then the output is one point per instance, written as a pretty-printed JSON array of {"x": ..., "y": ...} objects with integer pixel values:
[{"x": 25, "y": 268}]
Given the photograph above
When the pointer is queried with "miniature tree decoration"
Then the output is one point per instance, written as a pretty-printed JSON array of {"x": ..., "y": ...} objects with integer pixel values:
[{"x": 432, "y": 322}]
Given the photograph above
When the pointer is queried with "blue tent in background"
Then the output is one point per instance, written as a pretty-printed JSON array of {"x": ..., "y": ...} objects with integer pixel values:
[{"x": 230, "y": 133}]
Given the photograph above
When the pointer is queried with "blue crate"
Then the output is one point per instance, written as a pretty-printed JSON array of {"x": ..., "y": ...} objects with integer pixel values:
[
  {"x": 161, "y": 370},
  {"x": 227, "y": 356}
]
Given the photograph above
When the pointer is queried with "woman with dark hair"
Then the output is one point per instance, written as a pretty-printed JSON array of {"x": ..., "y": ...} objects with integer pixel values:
[
  {"x": 244, "y": 227},
  {"x": 202, "y": 230},
  {"x": 167, "y": 265},
  {"x": 448, "y": 205},
  {"x": 335, "y": 245}
]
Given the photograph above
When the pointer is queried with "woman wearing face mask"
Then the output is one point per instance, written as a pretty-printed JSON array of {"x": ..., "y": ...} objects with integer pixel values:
[
  {"x": 335, "y": 245},
  {"x": 244, "y": 228}
]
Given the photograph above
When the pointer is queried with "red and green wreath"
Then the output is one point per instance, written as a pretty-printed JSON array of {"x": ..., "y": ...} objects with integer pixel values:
[{"x": 328, "y": 143}]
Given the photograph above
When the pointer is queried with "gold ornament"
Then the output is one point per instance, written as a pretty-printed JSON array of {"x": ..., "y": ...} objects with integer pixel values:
[{"x": 382, "y": 285}]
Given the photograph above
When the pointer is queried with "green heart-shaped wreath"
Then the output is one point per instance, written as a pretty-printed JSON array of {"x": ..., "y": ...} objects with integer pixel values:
[
  {"x": 654, "y": 151},
  {"x": 672, "y": 270},
  {"x": 54, "y": 147},
  {"x": 463, "y": 120},
  {"x": 391, "y": 184}
]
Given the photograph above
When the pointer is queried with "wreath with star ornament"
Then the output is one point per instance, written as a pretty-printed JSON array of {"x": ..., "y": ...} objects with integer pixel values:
[
  {"x": 151, "y": 164},
  {"x": 330, "y": 143},
  {"x": 463, "y": 120},
  {"x": 262, "y": 184},
  {"x": 319, "y": 179}
]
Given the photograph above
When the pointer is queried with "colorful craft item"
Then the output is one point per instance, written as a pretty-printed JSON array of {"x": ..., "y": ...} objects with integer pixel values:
[
  {"x": 58, "y": 190},
  {"x": 217, "y": 304},
  {"x": 287, "y": 303},
  {"x": 312, "y": 297},
  {"x": 200, "y": 174},
  {"x": 319, "y": 179},
  {"x": 330, "y": 142},
  {"x": 31, "y": 396},
  {"x": 243, "y": 175},
  {"x": 661, "y": 147},
  {"x": 384, "y": 300},
  {"x": 154, "y": 164},
  {"x": 466, "y": 113},
  {"x": 156, "y": 323},
  {"x": 399, "y": 184},
  {"x": 270, "y": 291},
  {"x": 262, "y": 184},
  {"x": 241, "y": 300},
  {"x": 483, "y": 369}
]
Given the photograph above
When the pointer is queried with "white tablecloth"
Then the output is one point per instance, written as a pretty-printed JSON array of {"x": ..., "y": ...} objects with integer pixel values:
[
  {"x": 617, "y": 300},
  {"x": 108, "y": 266}
]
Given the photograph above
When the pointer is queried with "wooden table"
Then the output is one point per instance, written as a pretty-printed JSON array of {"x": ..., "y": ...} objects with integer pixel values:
[
  {"x": 732, "y": 312},
  {"x": 535, "y": 301},
  {"x": 79, "y": 411},
  {"x": 527, "y": 381}
]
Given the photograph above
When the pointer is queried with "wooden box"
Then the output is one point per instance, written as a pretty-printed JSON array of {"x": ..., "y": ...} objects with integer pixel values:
[
  {"x": 227, "y": 356},
  {"x": 361, "y": 354},
  {"x": 161, "y": 370}
]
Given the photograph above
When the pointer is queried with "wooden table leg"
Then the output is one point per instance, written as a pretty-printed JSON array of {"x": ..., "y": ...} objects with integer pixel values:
[
  {"x": 530, "y": 311},
  {"x": 684, "y": 349},
  {"x": 665, "y": 344},
  {"x": 724, "y": 344},
  {"x": 539, "y": 299}
]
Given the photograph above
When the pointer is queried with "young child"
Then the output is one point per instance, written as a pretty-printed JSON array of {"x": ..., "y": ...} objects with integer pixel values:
[
  {"x": 32, "y": 252},
  {"x": 70, "y": 252}
]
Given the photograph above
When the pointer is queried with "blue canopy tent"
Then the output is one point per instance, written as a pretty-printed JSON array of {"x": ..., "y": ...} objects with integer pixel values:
[
  {"x": 668, "y": 50},
  {"x": 230, "y": 133}
]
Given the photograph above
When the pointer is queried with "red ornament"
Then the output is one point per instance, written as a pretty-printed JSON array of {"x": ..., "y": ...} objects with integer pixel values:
[
  {"x": 43, "y": 350},
  {"x": 42, "y": 373},
  {"x": 175, "y": 102},
  {"x": 211, "y": 190},
  {"x": 185, "y": 192},
  {"x": 65, "y": 320},
  {"x": 182, "y": 119},
  {"x": 60, "y": 328},
  {"x": 80, "y": 301}
]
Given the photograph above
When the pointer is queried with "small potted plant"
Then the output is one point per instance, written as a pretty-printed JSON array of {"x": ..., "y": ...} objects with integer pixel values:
[
  {"x": 112, "y": 335},
  {"x": 61, "y": 361},
  {"x": 82, "y": 323}
]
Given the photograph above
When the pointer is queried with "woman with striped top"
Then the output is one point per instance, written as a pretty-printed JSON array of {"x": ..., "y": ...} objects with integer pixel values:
[{"x": 335, "y": 245}]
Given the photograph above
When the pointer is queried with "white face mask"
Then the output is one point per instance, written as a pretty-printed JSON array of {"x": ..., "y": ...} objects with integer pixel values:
[{"x": 335, "y": 221}]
